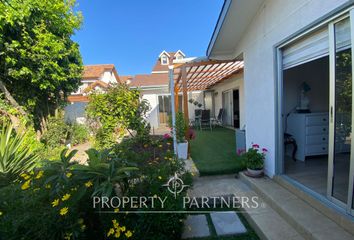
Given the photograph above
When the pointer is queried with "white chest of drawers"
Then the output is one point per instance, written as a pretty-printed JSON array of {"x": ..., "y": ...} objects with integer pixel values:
[{"x": 310, "y": 130}]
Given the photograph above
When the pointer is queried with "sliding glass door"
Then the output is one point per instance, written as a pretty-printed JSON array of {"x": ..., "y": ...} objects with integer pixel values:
[{"x": 341, "y": 154}]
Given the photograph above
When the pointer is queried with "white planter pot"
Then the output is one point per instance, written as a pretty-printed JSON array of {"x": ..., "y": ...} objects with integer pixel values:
[
  {"x": 255, "y": 173},
  {"x": 182, "y": 150}
]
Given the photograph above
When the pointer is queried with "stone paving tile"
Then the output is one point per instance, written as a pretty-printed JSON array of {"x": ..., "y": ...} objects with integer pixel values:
[
  {"x": 227, "y": 223},
  {"x": 196, "y": 226}
]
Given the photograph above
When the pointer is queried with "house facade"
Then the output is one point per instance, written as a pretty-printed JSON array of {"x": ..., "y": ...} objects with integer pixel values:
[
  {"x": 297, "y": 84},
  {"x": 95, "y": 77}
]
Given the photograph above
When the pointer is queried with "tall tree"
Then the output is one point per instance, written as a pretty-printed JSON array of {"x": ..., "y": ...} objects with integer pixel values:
[{"x": 39, "y": 62}]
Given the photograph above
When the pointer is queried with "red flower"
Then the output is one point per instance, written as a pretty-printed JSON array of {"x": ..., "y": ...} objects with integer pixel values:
[
  {"x": 166, "y": 136},
  {"x": 264, "y": 150},
  {"x": 255, "y": 146},
  {"x": 191, "y": 134}
]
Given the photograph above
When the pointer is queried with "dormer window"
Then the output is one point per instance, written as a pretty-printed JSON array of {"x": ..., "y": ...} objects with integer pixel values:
[
  {"x": 164, "y": 60},
  {"x": 179, "y": 57}
]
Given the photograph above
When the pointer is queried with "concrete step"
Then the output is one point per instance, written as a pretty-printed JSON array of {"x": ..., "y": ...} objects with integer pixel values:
[
  {"x": 334, "y": 212},
  {"x": 267, "y": 223},
  {"x": 301, "y": 216}
]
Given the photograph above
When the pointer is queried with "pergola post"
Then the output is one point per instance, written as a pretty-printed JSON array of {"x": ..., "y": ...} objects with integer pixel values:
[
  {"x": 176, "y": 99},
  {"x": 173, "y": 110},
  {"x": 185, "y": 97}
]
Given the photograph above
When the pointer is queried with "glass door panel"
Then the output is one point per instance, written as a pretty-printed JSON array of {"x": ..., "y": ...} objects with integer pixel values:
[{"x": 342, "y": 111}]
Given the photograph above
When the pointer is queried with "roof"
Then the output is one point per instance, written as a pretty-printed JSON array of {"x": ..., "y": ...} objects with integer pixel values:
[
  {"x": 164, "y": 68},
  {"x": 125, "y": 79},
  {"x": 142, "y": 80},
  {"x": 93, "y": 85},
  {"x": 78, "y": 98},
  {"x": 234, "y": 19},
  {"x": 96, "y": 71}
]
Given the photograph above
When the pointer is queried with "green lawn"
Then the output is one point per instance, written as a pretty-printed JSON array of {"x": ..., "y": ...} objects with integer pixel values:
[{"x": 214, "y": 152}]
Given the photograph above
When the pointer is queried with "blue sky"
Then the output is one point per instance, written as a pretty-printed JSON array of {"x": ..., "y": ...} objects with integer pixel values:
[{"x": 131, "y": 33}]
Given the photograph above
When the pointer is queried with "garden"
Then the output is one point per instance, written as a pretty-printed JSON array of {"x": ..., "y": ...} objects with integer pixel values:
[{"x": 44, "y": 192}]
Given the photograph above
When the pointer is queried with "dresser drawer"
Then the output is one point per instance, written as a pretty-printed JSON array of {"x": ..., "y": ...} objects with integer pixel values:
[
  {"x": 317, "y": 139},
  {"x": 313, "y": 130},
  {"x": 317, "y": 120},
  {"x": 316, "y": 149}
]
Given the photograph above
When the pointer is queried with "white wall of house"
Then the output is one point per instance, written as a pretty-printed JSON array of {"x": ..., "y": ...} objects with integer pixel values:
[
  {"x": 108, "y": 77},
  {"x": 274, "y": 22},
  {"x": 233, "y": 83}
]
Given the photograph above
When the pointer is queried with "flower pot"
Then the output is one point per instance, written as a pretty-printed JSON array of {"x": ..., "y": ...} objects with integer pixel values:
[
  {"x": 255, "y": 172},
  {"x": 182, "y": 150}
]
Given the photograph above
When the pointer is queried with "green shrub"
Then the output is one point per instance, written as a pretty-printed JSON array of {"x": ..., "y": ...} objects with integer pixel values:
[
  {"x": 57, "y": 131},
  {"x": 254, "y": 157},
  {"x": 79, "y": 133},
  {"x": 181, "y": 127},
  {"x": 15, "y": 157}
]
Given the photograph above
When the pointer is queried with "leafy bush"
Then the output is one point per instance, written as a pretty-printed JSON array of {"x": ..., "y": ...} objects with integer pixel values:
[
  {"x": 15, "y": 157},
  {"x": 57, "y": 131},
  {"x": 79, "y": 133},
  {"x": 116, "y": 112},
  {"x": 181, "y": 127}
]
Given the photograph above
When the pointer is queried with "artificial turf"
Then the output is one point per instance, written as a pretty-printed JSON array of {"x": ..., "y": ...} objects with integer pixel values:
[{"x": 214, "y": 152}]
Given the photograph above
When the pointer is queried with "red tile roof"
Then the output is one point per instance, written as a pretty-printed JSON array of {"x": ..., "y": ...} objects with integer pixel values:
[
  {"x": 141, "y": 80},
  {"x": 96, "y": 71},
  {"x": 78, "y": 98},
  {"x": 125, "y": 79}
]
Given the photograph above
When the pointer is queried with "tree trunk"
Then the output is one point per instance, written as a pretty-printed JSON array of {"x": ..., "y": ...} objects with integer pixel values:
[{"x": 11, "y": 100}]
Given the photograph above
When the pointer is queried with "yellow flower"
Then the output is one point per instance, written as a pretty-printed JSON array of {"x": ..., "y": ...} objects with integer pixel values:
[
  {"x": 66, "y": 197},
  {"x": 1, "y": 213},
  {"x": 68, "y": 175},
  {"x": 160, "y": 146},
  {"x": 88, "y": 184},
  {"x": 110, "y": 232},
  {"x": 74, "y": 189},
  {"x": 115, "y": 223},
  {"x": 128, "y": 234},
  {"x": 26, "y": 185},
  {"x": 68, "y": 236},
  {"x": 168, "y": 143},
  {"x": 160, "y": 177},
  {"x": 25, "y": 176},
  {"x": 55, "y": 203},
  {"x": 157, "y": 158},
  {"x": 117, "y": 235},
  {"x": 39, "y": 174},
  {"x": 48, "y": 186},
  {"x": 116, "y": 210},
  {"x": 64, "y": 211},
  {"x": 122, "y": 228},
  {"x": 145, "y": 145},
  {"x": 83, "y": 227}
]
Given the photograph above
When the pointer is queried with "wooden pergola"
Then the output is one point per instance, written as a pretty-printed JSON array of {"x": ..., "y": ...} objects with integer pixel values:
[{"x": 198, "y": 74}]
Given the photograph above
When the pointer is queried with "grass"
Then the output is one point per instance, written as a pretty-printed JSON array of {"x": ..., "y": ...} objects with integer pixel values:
[{"x": 214, "y": 152}]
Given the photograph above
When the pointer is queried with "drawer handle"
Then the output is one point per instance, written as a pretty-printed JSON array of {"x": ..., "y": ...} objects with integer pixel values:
[
  {"x": 324, "y": 139},
  {"x": 324, "y": 119},
  {"x": 323, "y": 148},
  {"x": 324, "y": 129}
]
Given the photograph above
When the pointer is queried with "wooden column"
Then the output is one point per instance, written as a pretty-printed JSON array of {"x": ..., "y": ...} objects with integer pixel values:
[
  {"x": 185, "y": 98},
  {"x": 176, "y": 99}
]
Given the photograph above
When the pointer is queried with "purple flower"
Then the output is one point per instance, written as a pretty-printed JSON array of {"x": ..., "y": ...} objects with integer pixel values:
[
  {"x": 255, "y": 146},
  {"x": 264, "y": 150},
  {"x": 166, "y": 136}
]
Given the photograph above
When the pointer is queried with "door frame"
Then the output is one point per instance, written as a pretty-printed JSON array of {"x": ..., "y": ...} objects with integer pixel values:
[
  {"x": 341, "y": 13},
  {"x": 231, "y": 90}
]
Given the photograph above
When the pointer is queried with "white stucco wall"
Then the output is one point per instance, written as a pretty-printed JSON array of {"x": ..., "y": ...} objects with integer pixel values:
[
  {"x": 275, "y": 21},
  {"x": 235, "y": 82},
  {"x": 108, "y": 77}
]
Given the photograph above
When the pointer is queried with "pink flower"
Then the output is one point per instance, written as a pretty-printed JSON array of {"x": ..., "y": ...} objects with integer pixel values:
[
  {"x": 166, "y": 136},
  {"x": 255, "y": 146},
  {"x": 191, "y": 134},
  {"x": 264, "y": 150}
]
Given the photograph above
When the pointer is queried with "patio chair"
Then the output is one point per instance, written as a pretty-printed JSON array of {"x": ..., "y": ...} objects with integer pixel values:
[
  {"x": 205, "y": 120},
  {"x": 218, "y": 119},
  {"x": 197, "y": 116}
]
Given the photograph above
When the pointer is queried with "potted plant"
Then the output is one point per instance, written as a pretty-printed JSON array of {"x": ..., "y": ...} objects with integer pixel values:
[
  {"x": 254, "y": 158},
  {"x": 182, "y": 143}
]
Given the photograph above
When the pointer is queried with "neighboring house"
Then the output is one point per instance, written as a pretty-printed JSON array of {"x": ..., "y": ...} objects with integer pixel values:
[
  {"x": 154, "y": 88},
  {"x": 95, "y": 77},
  {"x": 297, "y": 85}
]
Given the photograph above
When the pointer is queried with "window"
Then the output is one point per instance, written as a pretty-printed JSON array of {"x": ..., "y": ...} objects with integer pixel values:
[{"x": 164, "y": 60}]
